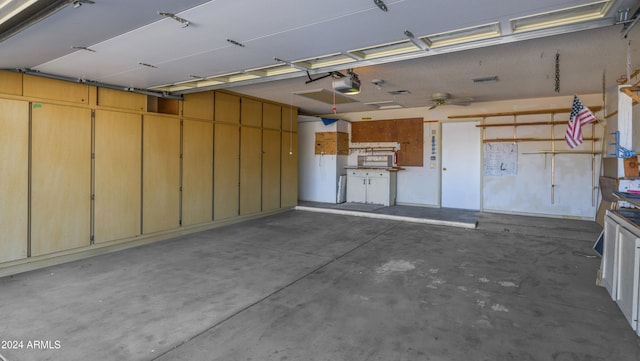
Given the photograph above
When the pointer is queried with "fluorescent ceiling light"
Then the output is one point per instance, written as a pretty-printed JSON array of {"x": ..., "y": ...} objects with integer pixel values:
[
  {"x": 465, "y": 35},
  {"x": 17, "y": 15},
  {"x": 324, "y": 61},
  {"x": 11, "y": 8},
  {"x": 379, "y": 51},
  {"x": 230, "y": 78},
  {"x": 273, "y": 70},
  {"x": 566, "y": 16}
]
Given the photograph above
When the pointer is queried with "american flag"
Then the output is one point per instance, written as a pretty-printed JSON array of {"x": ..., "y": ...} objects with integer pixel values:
[{"x": 580, "y": 115}]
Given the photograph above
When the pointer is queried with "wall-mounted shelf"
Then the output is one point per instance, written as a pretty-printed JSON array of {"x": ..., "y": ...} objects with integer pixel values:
[
  {"x": 372, "y": 150},
  {"x": 524, "y": 112},
  {"x": 552, "y": 139},
  {"x": 561, "y": 152},
  {"x": 507, "y": 140}
]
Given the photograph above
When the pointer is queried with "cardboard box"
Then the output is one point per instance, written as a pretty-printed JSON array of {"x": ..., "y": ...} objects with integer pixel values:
[
  {"x": 611, "y": 169},
  {"x": 631, "y": 166}
]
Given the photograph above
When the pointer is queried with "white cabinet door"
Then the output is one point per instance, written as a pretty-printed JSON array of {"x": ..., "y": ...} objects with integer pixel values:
[
  {"x": 627, "y": 276},
  {"x": 636, "y": 287},
  {"x": 609, "y": 251},
  {"x": 356, "y": 187},
  {"x": 378, "y": 188}
]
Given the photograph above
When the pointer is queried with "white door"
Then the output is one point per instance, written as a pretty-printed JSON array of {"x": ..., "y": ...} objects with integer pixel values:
[
  {"x": 378, "y": 188},
  {"x": 460, "y": 165}
]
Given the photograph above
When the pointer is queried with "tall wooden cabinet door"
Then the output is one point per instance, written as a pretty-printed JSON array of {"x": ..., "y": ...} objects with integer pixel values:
[
  {"x": 250, "y": 170},
  {"x": 60, "y": 178},
  {"x": 14, "y": 167},
  {"x": 197, "y": 172},
  {"x": 160, "y": 174},
  {"x": 289, "y": 182},
  {"x": 118, "y": 169},
  {"x": 270, "y": 169},
  {"x": 226, "y": 171}
]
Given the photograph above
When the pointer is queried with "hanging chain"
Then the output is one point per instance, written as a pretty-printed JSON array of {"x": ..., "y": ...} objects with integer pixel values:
[
  {"x": 557, "y": 72},
  {"x": 604, "y": 89}
]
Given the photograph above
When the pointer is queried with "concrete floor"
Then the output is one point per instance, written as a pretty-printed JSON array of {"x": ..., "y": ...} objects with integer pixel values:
[{"x": 313, "y": 287}]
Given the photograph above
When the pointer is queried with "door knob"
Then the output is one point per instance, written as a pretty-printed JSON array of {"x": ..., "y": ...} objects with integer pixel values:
[{"x": 444, "y": 168}]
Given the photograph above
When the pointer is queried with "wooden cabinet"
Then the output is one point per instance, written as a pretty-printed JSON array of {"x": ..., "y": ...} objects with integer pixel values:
[
  {"x": 39, "y": 87},
  {"x": 197, "y": 172},
  {"x": 198, "y": 105},
  {"x": 226, "y": 171},
  {"x": 60, "y": 178},
  {"x": 112, "y": 98},
  {"x": 90, "y": 168},
  {"x": 271, "y": 116},
  {"x": 270, "y": 169},
  {"x": 251, "y": 112},
  {"x": 250, "y": 170},
  {"x": 289, "y": 119},
  {"x": 10, "y": 82},
  {"x": 371, "y": 186},
  {"x": 14, "y": 188},
  {"x": 118, "y": 151},
  {"x": 227, "y": 108},
  {"x": 161, "y": 174}
]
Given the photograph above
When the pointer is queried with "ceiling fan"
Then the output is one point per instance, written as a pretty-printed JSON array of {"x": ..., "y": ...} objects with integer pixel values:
[{"x": 438, "y": 99}]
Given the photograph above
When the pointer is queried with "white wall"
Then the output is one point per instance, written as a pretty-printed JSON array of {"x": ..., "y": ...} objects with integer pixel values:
[
  {"x": 529, "y": 192},
  {"x": 318, "y": 174}
]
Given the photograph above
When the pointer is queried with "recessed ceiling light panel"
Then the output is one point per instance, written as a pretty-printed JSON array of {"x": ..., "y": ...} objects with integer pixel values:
[
  {"x": 566, "y": 16},
  {"x": 379, "y": 51},
  {"x": 465, "y": 35}
]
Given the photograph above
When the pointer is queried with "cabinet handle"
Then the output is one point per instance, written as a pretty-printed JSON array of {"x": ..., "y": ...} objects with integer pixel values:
[
  {"x": 369, "y": 181},
  {"x": 364, "y": 181}
]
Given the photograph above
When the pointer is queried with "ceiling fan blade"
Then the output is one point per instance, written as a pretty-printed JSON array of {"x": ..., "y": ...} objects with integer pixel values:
[{"x": 433, "y": 106}]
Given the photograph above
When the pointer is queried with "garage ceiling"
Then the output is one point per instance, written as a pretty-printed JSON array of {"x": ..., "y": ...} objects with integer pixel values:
[{"x": 273, "y": 49}]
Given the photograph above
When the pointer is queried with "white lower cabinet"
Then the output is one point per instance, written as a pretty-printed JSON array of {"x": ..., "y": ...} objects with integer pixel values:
[
  {"x": 621, "y": 265},
  {"x": 371, "y": 186}
]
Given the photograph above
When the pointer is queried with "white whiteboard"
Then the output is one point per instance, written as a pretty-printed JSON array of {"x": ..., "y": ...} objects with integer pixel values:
[{"x": 500, "y": 159}]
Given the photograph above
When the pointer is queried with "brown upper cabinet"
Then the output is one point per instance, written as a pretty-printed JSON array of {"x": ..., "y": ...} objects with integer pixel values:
[
  {"x": 290, "y": 119},
  {"x": 271, "y": 116},
  {"x": 198, "y": 105},
  {"x": 39, "y": 87},
  {"x": 251, "y": 112},
  {"x": 111, "y": 98},
  {"x": 10, "y": 83},
  {"x": 227, "y": 108}
]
